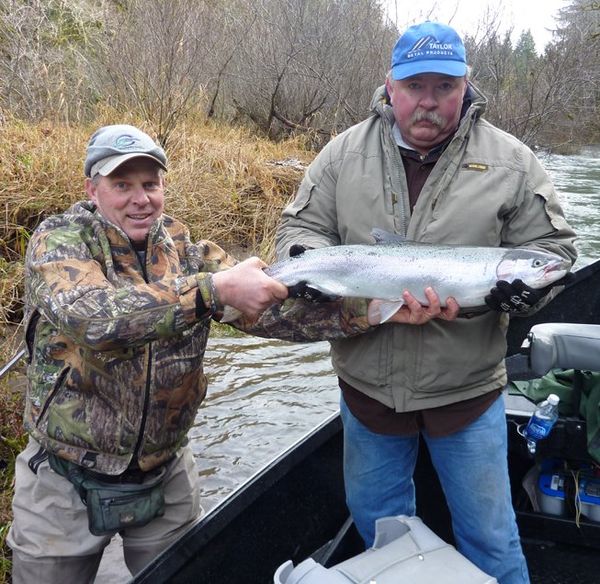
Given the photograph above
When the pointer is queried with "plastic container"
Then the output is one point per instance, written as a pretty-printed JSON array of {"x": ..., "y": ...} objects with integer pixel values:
[
  {"x": 541, "y": 422},
  {"x": 405, "y": 551},
  {"x": 551, "y": 492}
]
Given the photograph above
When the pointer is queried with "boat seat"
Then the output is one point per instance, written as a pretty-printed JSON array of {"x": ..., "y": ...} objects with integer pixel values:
[
  {"x": 563, "y": 346},
  {"x": 405, "y": 551}
]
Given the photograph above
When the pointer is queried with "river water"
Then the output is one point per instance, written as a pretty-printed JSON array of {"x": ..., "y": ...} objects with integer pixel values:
[{"x": 265, "y": 394}]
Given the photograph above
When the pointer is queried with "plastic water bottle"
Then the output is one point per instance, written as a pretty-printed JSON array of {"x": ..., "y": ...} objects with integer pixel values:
[{"x": 541, "y": 421}]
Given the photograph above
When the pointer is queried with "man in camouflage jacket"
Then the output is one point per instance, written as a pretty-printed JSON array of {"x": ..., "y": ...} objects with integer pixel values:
[{"x": 118, "y": 308}]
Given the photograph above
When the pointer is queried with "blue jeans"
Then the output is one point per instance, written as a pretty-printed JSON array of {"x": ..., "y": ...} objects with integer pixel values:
[{"x": 473, "y": 471}]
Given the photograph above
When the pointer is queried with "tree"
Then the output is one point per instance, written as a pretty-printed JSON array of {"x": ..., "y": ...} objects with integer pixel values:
[
  {"x": 310, "y": 65},
  {"x": 574, "y": 58},
  {"x": 155, "y": 55}
]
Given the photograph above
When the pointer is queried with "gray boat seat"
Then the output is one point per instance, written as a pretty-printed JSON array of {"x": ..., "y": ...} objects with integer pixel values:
[
  {"x": 405, "y": 551},
  {"x": 563, "y": 346}
]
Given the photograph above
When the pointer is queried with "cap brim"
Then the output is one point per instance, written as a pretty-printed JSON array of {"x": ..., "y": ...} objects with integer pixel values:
[
  {"x": 451, "y": 68},
  {"x": 108, "y": 165}
]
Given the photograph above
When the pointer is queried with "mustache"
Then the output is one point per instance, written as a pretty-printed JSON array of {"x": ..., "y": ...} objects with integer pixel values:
[{"x": 432, "y": 117}]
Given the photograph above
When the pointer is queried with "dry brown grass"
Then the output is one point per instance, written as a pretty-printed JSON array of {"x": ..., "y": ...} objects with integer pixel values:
[
  {"x": 229, "y": 186},
  {"x": 12, "y": 440}
]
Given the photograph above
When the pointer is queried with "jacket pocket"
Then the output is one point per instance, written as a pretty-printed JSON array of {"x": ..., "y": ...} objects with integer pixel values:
[
  {"x": 30, "y": 330},
  {"x": 460, "y": 354},
  {"x": 365, "y": 359}
]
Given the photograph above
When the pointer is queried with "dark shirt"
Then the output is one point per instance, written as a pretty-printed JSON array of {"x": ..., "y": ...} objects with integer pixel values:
[
  {"x": 436, "y": 422},
  {"x": 417, "y": 168}
]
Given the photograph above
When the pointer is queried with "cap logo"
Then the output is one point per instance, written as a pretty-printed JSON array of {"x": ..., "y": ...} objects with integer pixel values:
[
  {"x": 125, "y": 142},
  {"x": 428, "y": 46}
]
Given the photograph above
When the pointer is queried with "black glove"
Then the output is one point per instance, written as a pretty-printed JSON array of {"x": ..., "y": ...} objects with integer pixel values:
[
  {"x": 301, "y": 289},
  {"x": 297, "y": 249},
  {"x": 517, "y": 297}
]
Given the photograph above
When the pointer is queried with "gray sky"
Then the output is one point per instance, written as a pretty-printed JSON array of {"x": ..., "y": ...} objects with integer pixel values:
[{"x": 464, "y": 15}]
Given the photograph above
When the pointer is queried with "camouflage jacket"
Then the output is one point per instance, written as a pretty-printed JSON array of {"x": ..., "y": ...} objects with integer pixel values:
[{"x": 115, "y": 345}]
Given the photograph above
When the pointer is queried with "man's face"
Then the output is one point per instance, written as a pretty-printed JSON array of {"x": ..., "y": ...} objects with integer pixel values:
[
  {"x": 132, "y": 197},
  {"x": 426, "y": 107}
]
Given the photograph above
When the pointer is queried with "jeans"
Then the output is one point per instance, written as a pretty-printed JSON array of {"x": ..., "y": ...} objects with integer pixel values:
[{"x": 473, "y": 471}]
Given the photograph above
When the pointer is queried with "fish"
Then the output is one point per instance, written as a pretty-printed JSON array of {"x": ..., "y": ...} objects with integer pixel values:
[{"x": 385, "y": 269}]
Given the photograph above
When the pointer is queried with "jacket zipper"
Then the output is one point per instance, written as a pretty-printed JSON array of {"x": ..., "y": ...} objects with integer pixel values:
[
  {"x": 138, "y": 446},
  {"x": 57, "y": 386},
  {"x": 398, "y": 198}
]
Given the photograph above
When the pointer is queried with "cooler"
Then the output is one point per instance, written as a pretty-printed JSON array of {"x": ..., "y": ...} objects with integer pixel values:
[{"x": 405, "y": 551}]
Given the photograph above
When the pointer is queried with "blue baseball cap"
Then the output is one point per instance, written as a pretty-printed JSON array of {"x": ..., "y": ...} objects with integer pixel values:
[
  {"x": 111, "y": 146},
  {"x": 429, "y": 47}
]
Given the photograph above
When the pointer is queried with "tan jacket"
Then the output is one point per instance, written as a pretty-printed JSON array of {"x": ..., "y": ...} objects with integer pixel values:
[{"x": 486, "y": 189}]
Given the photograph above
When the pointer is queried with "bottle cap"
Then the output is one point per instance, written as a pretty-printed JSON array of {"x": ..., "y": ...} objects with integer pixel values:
[{"x": 553, "y": 399}]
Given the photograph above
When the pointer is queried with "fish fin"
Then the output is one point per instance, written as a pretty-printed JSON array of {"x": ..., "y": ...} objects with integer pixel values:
[
  {"x": 382, "y": 236},
  {"x": 388, "y": 308},
  {"x": 381, "y": 311},
  {"x": 230, "y": 314}
]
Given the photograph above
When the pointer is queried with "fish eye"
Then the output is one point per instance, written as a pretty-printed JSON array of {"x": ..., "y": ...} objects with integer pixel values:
[{"x": 537, "y": 263}]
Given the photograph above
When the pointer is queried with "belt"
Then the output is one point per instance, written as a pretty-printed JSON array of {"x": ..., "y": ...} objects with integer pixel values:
[{"x": 131, "y": 475}]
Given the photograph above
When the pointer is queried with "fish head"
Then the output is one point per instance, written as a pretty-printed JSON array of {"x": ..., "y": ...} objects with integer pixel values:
[{"x": 537, "y": 269}]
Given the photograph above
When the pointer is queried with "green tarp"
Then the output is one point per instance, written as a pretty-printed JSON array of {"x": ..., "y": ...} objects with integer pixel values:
[{"x": 565, "y": 383}]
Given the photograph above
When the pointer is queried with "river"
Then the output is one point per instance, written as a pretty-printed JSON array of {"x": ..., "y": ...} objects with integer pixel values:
[{"x": 265, "y": 394}]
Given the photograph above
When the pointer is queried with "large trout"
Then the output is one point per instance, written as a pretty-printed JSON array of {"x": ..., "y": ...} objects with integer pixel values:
[{"x": 386, "y": 269}]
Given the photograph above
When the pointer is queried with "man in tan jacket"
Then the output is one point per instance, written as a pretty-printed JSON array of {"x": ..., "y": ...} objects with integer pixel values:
[{"x": 427, "y": 166}]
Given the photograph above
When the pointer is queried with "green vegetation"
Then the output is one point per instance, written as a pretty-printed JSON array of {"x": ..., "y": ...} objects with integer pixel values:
[{"x": 12, "y": 441}]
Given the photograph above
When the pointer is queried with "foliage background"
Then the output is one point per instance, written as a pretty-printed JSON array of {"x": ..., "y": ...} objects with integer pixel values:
[{"x": 280, "y": 66}]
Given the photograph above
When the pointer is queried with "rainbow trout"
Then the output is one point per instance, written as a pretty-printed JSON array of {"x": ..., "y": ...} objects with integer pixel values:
[{"x": 384, "y": 270}]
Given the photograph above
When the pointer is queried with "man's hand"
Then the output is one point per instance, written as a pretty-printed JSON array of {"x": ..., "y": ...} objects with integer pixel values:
[
  {"x": 301, "y": 289},
  {"x": 517, "y": 297},
  {"x": 412, "y": 312},
  {"x": 297, "y": 249},
  {"x": 246, "y": 287}
]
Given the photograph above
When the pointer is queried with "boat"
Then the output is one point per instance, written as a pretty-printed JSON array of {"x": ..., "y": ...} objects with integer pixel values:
[{"x": 294, "y": 507}]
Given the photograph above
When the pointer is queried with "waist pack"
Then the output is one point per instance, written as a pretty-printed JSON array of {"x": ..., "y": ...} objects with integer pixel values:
[{"x": 113, "y": 505}]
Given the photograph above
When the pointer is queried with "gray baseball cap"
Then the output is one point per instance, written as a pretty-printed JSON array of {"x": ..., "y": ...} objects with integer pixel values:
[{"x": 111, "y": 146}]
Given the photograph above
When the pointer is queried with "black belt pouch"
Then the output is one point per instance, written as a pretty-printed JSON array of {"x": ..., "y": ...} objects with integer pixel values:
[{"x": 112, "y": 506}]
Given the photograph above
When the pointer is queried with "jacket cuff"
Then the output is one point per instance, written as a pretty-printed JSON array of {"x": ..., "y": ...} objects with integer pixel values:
[{"x": 207, "y": 298}]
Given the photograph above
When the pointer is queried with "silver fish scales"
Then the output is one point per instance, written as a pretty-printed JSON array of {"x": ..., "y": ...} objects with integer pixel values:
[{"x": 385, "y": 271}]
